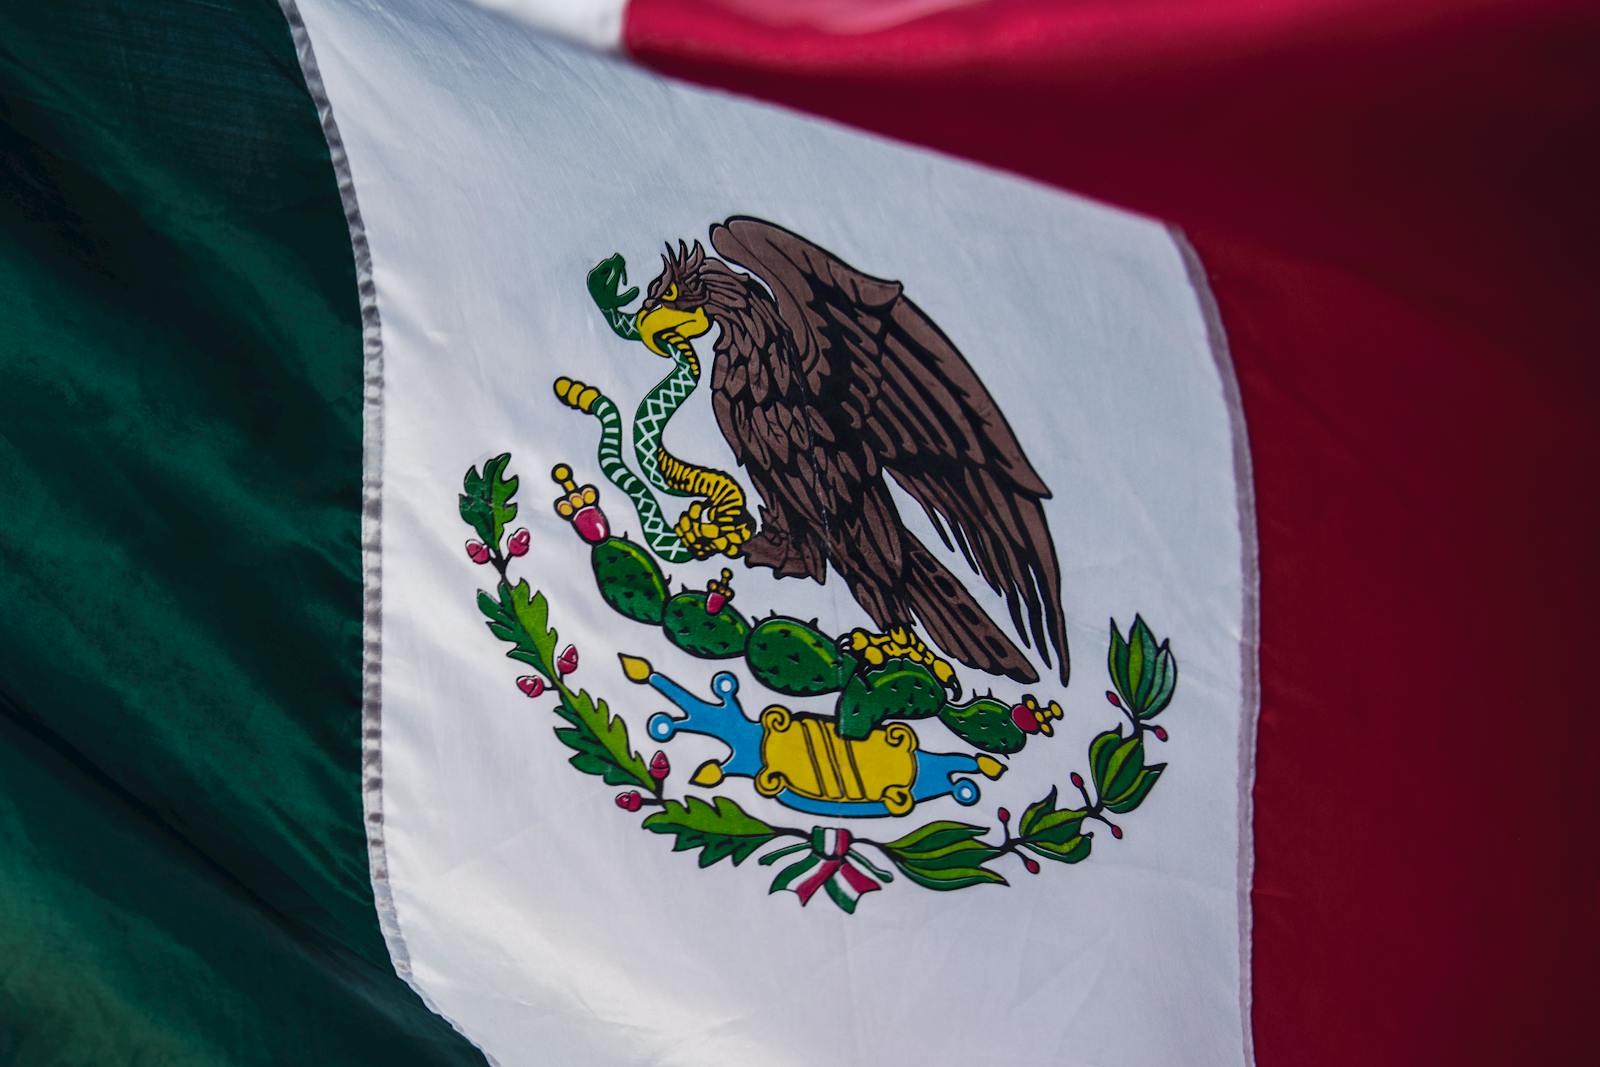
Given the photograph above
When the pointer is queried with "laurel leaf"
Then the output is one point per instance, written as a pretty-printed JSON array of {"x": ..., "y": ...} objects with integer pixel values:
[
  {"x": 948, "y": 878},
  {"x": 1117, "y": 662},
  {"x": 933, "y": 836},
  {"x": 1035, "y": 811},
  {"x": 1072, "y": 850},
  {"x": 1134, "y": 795},
  {"x": 1101, "y": 750},
  {"x": 720, "y": 830}
]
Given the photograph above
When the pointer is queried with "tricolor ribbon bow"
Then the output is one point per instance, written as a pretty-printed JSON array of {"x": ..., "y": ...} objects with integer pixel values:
[{"x": 830, "y": 865}]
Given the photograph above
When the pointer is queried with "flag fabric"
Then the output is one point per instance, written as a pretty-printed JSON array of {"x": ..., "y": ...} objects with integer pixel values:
[{"x": 519, "y": 548}]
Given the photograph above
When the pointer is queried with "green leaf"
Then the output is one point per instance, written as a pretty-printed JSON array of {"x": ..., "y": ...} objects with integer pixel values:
[
  {"x": 1166, "y": 681},
  {"x": 721, "y": 830},
  {"x": 956, "y": 854},
  {"x": 1122, "y": 768},
  {"x": 1037, "y": 810},
  {"x": 1134, "y": 795},
  {"x": 1071, "y": 850},
  {"x": 1142, "y": 652},
  {"x": 521, "y": 618},
  {"x": 600, "y": 741},
  {"x": 533, "y": 613},
  {"x": 951, "y": 877},
  {"x": 930, "y": 837},
  {"x": 1101, "y": 750},
  {"x": 485, "y": 501},
  {"x": 503, "y": 489},
  {"x": 944, "y": 855},
  {"x": 1117, "y": 662},
  {"x": 1057, "y": 827}
]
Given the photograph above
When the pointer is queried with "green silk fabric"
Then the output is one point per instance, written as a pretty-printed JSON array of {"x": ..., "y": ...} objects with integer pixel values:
[{"x": 183, "y": 866}]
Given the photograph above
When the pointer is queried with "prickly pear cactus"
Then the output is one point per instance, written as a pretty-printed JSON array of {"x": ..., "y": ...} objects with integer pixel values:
[
  {"x": 629, "y": 580},
  {"x": 985, "y": 723},
  {"x": 899, "y": 689},
  {"x": 795, "y": 658},
  {"x": 791, "y": 657},
  {"x": 698, "y": 632}
]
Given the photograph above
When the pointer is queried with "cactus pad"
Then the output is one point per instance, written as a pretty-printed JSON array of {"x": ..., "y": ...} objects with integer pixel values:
[
  {"x": 899, "y": 689},
  {"x": 699, "y": 633},
  {"x": 985, "y": 723},
  {"x": 791, "y": 657},
  {"x": 629, "y": 580}
]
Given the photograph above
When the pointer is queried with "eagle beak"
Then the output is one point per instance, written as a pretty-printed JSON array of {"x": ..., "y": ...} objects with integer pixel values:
[{"x": 657, "y": 321}]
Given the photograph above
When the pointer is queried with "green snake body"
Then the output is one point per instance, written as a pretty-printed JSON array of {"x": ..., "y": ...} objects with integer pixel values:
[{"x": 663, "y": 471}]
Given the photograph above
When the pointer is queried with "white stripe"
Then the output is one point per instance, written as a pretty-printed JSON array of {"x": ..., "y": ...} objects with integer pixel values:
[{"x": 596, "y": 23}]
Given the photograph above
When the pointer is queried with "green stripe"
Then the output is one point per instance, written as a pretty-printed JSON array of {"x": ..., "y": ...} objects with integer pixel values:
[{"x": 184, "y": 875}]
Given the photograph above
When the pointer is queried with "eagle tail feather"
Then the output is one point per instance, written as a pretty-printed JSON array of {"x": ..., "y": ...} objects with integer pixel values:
[{"x": 954, "y": 622}]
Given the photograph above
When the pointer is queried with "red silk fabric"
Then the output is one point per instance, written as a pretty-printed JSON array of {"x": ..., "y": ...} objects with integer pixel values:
[{"x": 1394, "y": 203}]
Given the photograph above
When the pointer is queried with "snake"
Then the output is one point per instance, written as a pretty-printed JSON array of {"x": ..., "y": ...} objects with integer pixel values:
[{"x": 665, "y": 472}]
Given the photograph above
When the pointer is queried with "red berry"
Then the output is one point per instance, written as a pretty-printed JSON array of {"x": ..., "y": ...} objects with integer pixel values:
[
  {"x": 518, "y": 545},
  {"x": 630, "y": 801},
  {"x": 1005, "y": 816},
  {"x": 531, "y": 685},
  {"x": 1031, "y": 864},
  {"x": 660, "y": 767},
  {"x": 567, "y": 662},
  {"x": 1160, "y": 732},
  {"x": 478, "y": 552},
  {"x": 1077, "y": 780},
  {"x": 1025, "y": 719},
  {"x": 1115, "y": 702},
  {"x": 1116, "y": 831}
]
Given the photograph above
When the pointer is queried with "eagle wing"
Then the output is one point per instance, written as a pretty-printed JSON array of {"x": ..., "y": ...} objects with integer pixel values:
[{"x": 909, "y": 403}]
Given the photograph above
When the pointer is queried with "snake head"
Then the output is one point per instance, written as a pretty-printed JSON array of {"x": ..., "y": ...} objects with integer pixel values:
[{"x": 606, "y": 279}]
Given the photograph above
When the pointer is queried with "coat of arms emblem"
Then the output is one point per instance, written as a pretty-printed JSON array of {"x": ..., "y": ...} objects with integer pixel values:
[{"x": 827, "y": 384}]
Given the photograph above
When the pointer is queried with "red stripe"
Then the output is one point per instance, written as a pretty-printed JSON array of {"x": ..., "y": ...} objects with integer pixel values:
[{"x": 1394, "y": 204}]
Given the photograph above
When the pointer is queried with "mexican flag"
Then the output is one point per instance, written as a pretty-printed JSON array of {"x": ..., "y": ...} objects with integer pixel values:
[{"x": 721, "y": 532}]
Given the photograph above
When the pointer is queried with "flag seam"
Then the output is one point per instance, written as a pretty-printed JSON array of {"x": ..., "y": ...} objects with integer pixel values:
[
  {"x": 1250, "y": 617},
  {"x": 371, "y": 525}
]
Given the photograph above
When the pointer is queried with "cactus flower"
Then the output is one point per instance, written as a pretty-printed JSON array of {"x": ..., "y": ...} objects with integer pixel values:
[
  {"x": 590, "y": 522},
  {"x": 1024, "y": 718}
]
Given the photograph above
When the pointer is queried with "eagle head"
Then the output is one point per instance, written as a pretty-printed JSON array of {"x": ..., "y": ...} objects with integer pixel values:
[{"x": 676, "y": 300}]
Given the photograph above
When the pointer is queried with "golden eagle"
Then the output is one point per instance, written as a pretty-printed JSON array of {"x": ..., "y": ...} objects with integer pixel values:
[{"x": 826, "y": 379}]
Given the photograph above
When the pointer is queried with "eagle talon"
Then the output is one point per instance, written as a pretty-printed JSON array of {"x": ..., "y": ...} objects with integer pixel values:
[
  {"x": 901, "y": 642},
  {"x": 707, "y": 531}
]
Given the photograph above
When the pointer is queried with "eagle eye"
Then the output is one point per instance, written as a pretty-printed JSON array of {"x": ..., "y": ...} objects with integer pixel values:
[{"x": 670, "y": 294}]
